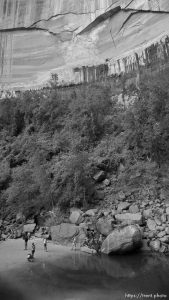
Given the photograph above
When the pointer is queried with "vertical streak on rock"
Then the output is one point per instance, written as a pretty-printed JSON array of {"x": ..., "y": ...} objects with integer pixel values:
[{"x": 6, "y": 51}]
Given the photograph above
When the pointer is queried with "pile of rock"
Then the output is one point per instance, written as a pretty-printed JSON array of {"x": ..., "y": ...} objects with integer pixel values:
[
  {"x": 116, "y": 238},
  {"x": 15, "y": 229},
  {"x": 126, "y": 226}
]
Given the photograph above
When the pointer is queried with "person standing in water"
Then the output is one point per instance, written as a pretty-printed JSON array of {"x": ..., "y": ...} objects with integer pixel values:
[
  {"x": 45, "y": 244},
  {"x": 25, "y": 237},
  {"x": 33, "y": 249}
]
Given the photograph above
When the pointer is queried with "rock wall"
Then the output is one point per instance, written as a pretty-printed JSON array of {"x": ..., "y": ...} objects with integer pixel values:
[{"x": 38, "y": 37}]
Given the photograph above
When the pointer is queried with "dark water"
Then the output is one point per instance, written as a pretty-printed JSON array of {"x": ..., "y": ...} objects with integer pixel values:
[{"x": 80, "y": 276}]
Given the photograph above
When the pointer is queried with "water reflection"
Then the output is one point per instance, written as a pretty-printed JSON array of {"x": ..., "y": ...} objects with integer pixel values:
[{"x": 80, "y": 276}]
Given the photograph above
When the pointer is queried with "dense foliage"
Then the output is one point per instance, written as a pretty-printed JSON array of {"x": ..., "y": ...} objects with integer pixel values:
[{"x": 52, "y": 140}]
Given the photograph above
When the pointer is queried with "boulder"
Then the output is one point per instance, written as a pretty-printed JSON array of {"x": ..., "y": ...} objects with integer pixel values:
[
  {"x": 30, "y": 221},
  {"x": 157, "y": 220},
  {"x": 64, "y": 232},
  {"x": 123, "y": 206},
  {"x": 121, "y": 196},
  {"x": 99, "y": 176},
  {"x": 106, "y": 182},
  {"x": 81, "y": 237},
  {"x": 167, "y": 211},
  {"x": 165, "y": 239},
  {"x": 147, "y": 213},
  {"x": 161, "y": 234},
  {"x": 104, "y": 226},
  {"x": 75, "y": 216},
  {"x": 20, "y": 217},
  {"x": 134, "y": 209},
  {"x": 155, "y": 245},
  {"x": 163, "y": 218},
  {"x": 129, "y": 218},
  {"x": 163, "y": 249},
  {"x": 29, "y": 228},
  {"x": 90, "y": 212},
  {"x": 151, "y": 225},
  {"x": 122, "y": 240},
  {"x": 145, "y": 246},
  {"x": 4, "y": 237},
  {"x": 88, "y": 250},
  {"x": 167, "y": 230},
  {"x": 18, "y": 233}
]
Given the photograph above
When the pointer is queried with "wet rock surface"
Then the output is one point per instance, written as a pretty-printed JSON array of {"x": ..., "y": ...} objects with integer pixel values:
[{"x": 63, "y": 35}]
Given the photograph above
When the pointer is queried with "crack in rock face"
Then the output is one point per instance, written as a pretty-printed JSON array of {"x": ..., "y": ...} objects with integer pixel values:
[{"x": 38, "y": 37}]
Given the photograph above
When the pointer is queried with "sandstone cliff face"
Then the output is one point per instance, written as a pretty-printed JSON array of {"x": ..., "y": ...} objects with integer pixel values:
[{"x": 38, "y": 37}]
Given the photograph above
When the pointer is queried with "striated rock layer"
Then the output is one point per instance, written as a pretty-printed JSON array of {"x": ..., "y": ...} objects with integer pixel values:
[{"x": 38, "y": 37}]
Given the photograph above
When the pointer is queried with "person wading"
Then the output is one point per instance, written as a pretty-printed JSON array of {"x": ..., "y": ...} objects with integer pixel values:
[
  {"x": 33, "y": 249},
  {"x": 25, "y": 237},
  {"x": 45, "y": 244}
]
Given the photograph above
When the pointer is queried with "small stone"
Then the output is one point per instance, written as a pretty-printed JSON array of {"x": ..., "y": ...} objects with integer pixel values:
[
  {"x": 163, "y": 249},
  {"x": 113, "y": 212},
  {"x": 167, "y": 211},
  {"x": 123, "y": 205},
  {"x": 161, "y": 234},
  {"x": 90, "y": 212},
  {"x": 151, "y": 234},
  {"x": 151, "y": 225},
  {"x": 100, "y": 176},
  {"x": 129, "y": 218},
  {"x": 167, "y": 230},
  {"x": 106, "y": 182},
  {"x": 157, "y": 220},
  {"x": 106, "y": 213},
  {"x": 147, "y": 213},
  {"x": 121, "y": 196},
  {"x": 155, "y": 245},
  {"x": 165, "y": 239},
  {"x": 134, "y": 209},
  {"x": 163, "y": 218}
]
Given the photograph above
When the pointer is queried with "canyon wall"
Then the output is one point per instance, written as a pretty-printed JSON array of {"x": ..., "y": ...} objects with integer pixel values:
[{"x": 78, "y": 39}]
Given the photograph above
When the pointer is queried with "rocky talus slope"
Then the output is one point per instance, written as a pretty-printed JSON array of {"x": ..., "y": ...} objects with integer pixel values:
[{"x": 124, "y": 222}]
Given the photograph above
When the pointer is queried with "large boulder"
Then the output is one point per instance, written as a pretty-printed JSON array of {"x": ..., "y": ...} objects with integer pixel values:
[
  {"x": 75, "y": 216},
  {"x": 129, "y": 218},
  {"x": 122, "y": 240},
  {"x": 104, "y": 226},
  {"x": 29, "y": 228},
  {"x": 64, "y": 232}
]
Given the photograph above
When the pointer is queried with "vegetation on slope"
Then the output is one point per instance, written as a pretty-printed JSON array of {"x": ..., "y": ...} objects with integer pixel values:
[{"x": 53, "y": 141}]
